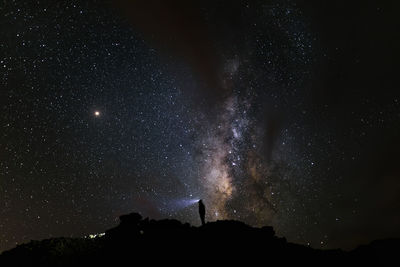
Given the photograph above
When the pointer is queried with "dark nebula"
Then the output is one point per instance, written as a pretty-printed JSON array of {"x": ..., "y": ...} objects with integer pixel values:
[{"x": 282, "y": 113}]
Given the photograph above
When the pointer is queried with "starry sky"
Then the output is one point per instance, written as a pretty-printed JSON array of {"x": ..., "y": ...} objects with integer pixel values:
[{"x": 282, "y": 113}]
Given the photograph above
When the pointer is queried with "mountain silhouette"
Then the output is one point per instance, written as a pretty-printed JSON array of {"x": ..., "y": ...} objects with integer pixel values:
[{"x": 136, "y": 240}]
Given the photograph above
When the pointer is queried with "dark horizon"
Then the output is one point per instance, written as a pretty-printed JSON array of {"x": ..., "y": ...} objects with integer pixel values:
[
  {"x": 274, "y": 112},
  {"x": 136, "y": 239}
]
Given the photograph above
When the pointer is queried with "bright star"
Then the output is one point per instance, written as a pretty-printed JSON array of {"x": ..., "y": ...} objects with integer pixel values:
[{"x": 97, "y": 113}]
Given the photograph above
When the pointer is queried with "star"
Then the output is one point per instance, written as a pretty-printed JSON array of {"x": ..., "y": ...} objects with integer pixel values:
[{"x": 97, "y": 113}]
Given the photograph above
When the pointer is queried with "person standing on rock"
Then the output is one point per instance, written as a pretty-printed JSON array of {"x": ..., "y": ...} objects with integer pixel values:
[{"x": 202, "y": 212}]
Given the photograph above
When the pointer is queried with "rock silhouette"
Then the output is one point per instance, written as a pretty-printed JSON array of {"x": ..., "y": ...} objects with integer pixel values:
[{"x": 136, "y": 240}]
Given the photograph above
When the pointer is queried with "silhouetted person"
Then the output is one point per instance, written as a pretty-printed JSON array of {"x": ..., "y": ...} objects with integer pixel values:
[{"x": 202, "y": 212}]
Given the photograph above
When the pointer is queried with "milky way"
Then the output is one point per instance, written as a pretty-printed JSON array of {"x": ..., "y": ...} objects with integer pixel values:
[{"x": 267, "y": 110}]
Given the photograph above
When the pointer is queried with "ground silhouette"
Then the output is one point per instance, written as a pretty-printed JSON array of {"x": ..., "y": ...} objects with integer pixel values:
[{"x": 136, "y": 240}]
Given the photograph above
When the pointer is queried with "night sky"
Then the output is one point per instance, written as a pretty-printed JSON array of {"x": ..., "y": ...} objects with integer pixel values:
[{"x": 282, "y": 113}]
